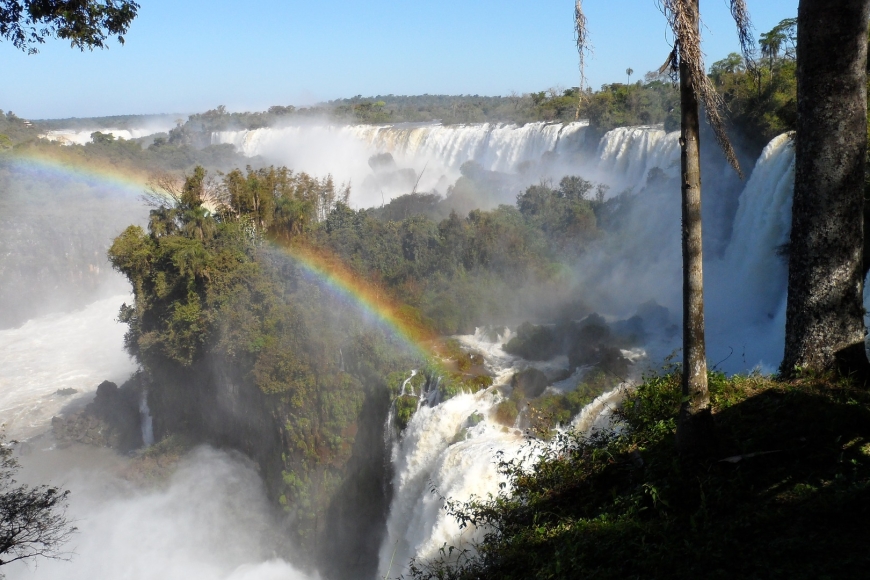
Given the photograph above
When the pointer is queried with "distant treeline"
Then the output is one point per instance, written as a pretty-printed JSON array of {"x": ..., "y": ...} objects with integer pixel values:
[
  {"x": 615, "y": 105},
  {"x": 110, "y": 122},
  {"x": 761, "y": 103}
]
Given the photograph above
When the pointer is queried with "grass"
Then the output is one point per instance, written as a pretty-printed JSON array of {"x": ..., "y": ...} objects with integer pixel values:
[{"x": 786, "y": 495}]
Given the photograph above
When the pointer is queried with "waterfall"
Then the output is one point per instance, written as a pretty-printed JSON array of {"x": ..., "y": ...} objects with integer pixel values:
[
  {"x": 452, "y": 449},
  {"x": 449, "y": 449},
  {"x": 762, "y": 225},
  {"x": 83, "y": 136},
  {"x": 495, "y": 146},
  {"x": 748, "y": 286},
  {"x": 147, "y": 421},
  {"x": 440, "y": 449},
  {"x": 453, "y": 446},
  {"x": 435, "y": 152},
  {"x": 627, "y": 154}
]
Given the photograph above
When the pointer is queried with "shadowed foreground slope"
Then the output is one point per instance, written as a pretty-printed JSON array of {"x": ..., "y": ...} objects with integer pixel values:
[{"x": 786, "y": 496}]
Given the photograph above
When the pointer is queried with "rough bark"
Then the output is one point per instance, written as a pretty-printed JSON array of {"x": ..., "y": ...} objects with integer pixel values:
[
  {"x": 824, "y": 316},
  {"x": 694, "y": 429}
]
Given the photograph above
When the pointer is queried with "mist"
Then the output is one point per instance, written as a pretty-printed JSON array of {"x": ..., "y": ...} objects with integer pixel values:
[
  {"x": 431, "y": 152},
  {"x": 55, "y": 229},
  {"x": 210, "y": 520},
  {"x": 639, "y": 259}
]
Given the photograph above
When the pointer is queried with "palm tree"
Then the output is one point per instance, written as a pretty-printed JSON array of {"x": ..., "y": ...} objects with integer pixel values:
[
  {"x": 770, "y": 44},
  {"x": 629, "y": 71}
]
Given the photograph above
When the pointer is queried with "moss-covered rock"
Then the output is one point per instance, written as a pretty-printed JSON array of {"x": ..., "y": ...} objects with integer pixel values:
[{"x": 528, "y": 384}]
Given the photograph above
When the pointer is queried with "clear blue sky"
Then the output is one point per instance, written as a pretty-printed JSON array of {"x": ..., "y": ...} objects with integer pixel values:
[{"x": 186, "y": 56}]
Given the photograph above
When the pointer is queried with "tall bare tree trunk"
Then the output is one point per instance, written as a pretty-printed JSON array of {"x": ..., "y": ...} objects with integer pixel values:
[
  {"x": 695, "y": 427},
  {"x": 824, "y": 316}
]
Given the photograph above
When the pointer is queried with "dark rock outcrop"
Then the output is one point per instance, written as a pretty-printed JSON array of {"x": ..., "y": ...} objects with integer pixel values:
[
  {"x": 112, "y": 419},
  {"x": 528, "y": 384}
]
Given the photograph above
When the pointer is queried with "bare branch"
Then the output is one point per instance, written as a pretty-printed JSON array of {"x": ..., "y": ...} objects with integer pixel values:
[
  {"x": 33, "y": 520},
  {"x": 164, "y": 189}
]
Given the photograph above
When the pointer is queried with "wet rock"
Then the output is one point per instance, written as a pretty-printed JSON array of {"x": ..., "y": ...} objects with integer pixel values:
[
  {"x": 528, "y": 384},
  {"x": 111, "y": 420},
  {"x": 534, "y": 342}
]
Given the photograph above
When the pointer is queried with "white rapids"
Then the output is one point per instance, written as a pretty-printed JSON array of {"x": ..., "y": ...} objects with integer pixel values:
[
  {"x": 444, "y": 449},
  {"x": 452, "y": 450},
  {"x": 75, "y": 351}
]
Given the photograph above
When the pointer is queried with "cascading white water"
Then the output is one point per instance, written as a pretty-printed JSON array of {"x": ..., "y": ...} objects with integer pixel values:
[
  {"x": 627, "y": 154},
  {"x": 453, "y": 449},
  {"x": 495, "y": 146},
  {"x": 147, "y": 421},
  {"x": 83, "y": 136},
  {"x": 435, "y": 152},
  {"x": 747, "y": 287},
  {"x": 75, "y": 351},
  {"x": 446, "y": 445},
  {"x": 443, "y": 447},
  {"x": 761, "y": 227},
  {"x": 211, "y": 520}
]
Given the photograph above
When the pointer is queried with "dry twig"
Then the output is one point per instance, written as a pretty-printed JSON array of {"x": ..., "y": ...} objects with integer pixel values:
[{"x": 687, "y": 49}]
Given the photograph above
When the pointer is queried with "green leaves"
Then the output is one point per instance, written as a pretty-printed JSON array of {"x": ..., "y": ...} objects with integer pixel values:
[{"x": 85, "y": 23}]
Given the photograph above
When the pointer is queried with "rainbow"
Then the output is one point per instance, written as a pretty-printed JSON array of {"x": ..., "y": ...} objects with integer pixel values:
[
  {"x": 329, "y": 271},
  {"x": 50, "y": 162}
]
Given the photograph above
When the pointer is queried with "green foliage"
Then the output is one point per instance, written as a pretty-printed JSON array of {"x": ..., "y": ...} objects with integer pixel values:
[
  {"x": 534, "y": 342},
  {"x": 550, "y": 411},
  {"x": 126, "y": 155},
  {"x": 26, "y": 23},
  {"x": 615, "y": 105},
  {"x": 406, "y": 406},
  {"x": 506, "y": 412},
  {"x": 762, "y": 103},
  {"x": 15, "y": 130},
  {"x": 458, "y": 273},
  {"x": 792, "y": 459},
  {"x": 619, "y": 105},
  {"x": 206, "y": 290}
]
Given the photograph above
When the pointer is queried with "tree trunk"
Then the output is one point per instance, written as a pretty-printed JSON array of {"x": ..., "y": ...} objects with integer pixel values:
[
  {"x": 695, "y": 426},
  {"x": 825, "y": 316}
]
